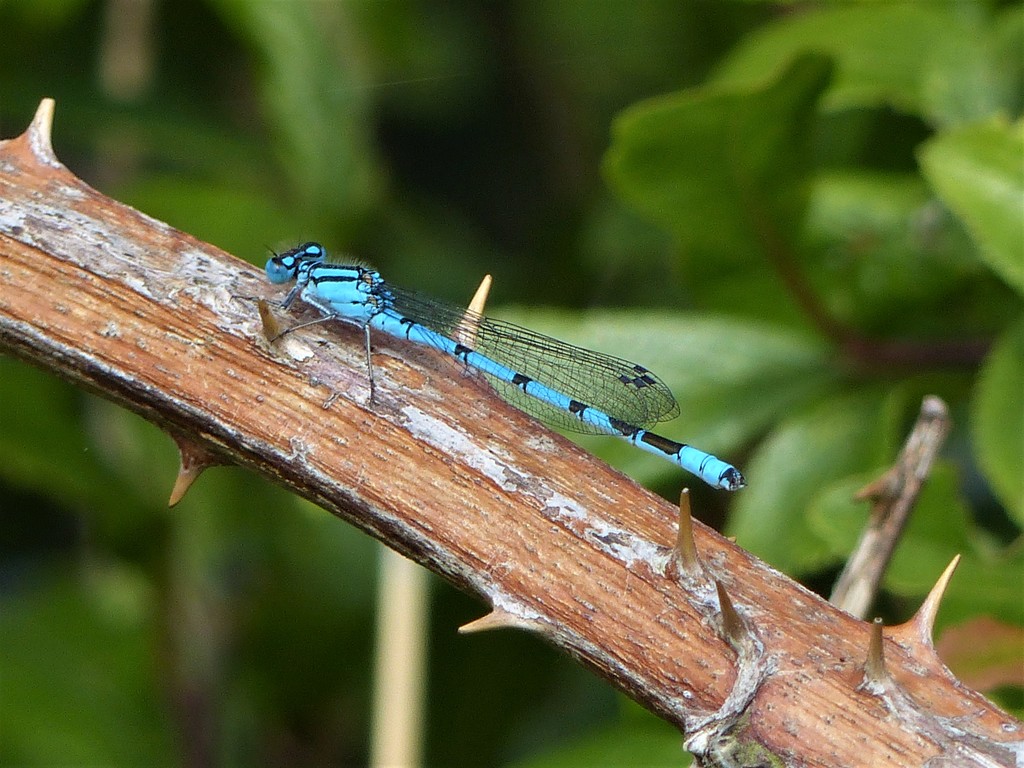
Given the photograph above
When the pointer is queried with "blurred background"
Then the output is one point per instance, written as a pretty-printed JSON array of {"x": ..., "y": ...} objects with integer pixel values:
[{"x": 804, "y": 216}]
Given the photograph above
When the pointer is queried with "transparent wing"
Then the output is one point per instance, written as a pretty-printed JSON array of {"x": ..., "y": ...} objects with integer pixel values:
[{"x": 621, "y": 389}]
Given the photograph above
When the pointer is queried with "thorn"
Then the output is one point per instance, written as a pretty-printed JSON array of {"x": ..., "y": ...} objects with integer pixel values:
[
  {"x": 498, "y": 619},
  {"x": 918, "y": 630},
  {"x": 479, "y": 301},
  {"x": 271, "y": 327},
  {"x": 194, "y": 459},
  {"x": 882, "y": 487},
  {"x": 684, "y": 554},
  {"x": 466, "y": 331},
  {"x": 892, "y": 497},
  {"x": 40, "y": 133},
  {"x": 733, "y": 628},
  {"x": 875, "y": 672},
  {"x": 925, "y": 616}
]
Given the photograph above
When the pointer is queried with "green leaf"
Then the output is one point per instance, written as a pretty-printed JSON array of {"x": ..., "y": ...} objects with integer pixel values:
[
  {"x": 836, "y": 518},
  {"x": 997, "y": 420},
  {"x": 978, "y": 171},
  {"x": 797, "y": 463},
  {"x": 888, "y": 255},
  {"x": 928, "y": 59},
  {"x": 723, "y": 167}
]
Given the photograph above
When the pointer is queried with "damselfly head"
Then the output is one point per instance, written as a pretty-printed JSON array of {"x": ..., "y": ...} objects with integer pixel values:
[{"x": 282, "y": 267}]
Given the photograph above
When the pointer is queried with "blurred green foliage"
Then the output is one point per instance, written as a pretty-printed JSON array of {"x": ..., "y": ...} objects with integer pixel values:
[{"x": 804, "y": 216}]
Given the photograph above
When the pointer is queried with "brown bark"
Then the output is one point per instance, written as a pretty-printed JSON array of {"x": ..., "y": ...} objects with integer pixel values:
[{"x": 439, "y": 469}]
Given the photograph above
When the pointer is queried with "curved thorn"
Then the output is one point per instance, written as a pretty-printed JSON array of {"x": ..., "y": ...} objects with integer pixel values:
[
  {"x": 40, "y": 132},
  {"x": 193, "y": 460},
  {"x": 497, "y": 619},
  {"x": 923, "y": 621}
]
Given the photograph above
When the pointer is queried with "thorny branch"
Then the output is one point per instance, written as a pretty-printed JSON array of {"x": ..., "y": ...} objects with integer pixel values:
[
  {"x": 892, "y": 496},
  {"x": 556, "y": 542}
]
